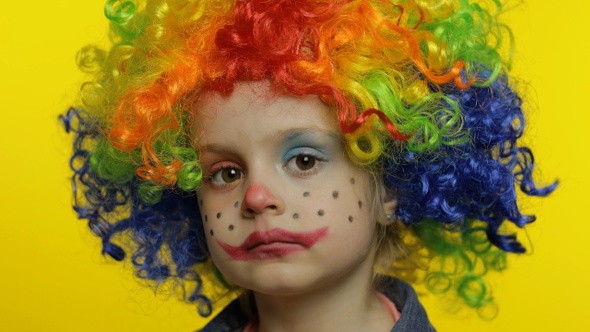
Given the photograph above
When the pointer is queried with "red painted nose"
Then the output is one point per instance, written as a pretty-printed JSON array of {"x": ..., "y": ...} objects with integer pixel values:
[{"x": 258, "y": 199}]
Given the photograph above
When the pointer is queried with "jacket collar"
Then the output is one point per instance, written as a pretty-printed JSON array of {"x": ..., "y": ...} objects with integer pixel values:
[{"x": 413, "y": 316}]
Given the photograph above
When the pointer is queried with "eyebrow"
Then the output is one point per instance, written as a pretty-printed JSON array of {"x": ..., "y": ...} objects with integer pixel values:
[
  {"x": 295, "y": 134},
  {"x": 284, "y": 136}
]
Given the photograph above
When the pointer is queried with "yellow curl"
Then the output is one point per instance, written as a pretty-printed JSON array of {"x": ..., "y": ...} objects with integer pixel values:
[{"x": 362, "y": 155}]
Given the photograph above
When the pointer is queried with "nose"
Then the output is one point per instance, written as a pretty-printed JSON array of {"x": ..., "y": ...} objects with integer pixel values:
[{"x": 259, "y": 199}]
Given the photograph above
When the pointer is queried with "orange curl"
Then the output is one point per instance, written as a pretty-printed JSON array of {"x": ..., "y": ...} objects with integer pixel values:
[
  {"x": 136, "y": 114},
  {"x": 414, "y": 53},
  {"x": 144, "y": 113},
  {"x": 156, "y": 172}
]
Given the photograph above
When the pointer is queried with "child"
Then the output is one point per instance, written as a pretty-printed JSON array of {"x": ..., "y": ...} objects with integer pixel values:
[{"x": 303, "y": 147}]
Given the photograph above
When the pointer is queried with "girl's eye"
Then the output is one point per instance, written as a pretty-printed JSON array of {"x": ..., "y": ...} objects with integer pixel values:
[
  {"x": 227, "y": 175},
  {"x": 305, "y": 162}
]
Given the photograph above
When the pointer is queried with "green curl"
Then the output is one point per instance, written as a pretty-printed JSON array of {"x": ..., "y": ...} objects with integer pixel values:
[
  {"x": 438, "y": 282},
  {"x": 465, "y": 255},
  {"x": 124, "y": 21},
  {"x": 474, "y": 36},
  {"x": 120, "y": 14},
  {"x": 111, "y": 164},
  {"x": 433, "y": 121},
  {"x": 190, "y": 174},
  {"x": 149, "y": 193},
  {"x": 474, "y": 291}
]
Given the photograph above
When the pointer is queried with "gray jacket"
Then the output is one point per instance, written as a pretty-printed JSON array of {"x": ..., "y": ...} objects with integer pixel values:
[{"x": 413, "y": 316}]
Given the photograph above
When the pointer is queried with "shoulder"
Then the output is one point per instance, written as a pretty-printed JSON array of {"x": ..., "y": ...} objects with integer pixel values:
[{"x": 413, "y": 316}]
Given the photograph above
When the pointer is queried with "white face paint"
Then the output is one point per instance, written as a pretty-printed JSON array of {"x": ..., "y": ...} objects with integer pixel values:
[{"x": 284, "y": 209}]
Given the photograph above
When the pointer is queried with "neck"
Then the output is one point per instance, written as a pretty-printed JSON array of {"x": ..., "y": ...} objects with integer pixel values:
[{"x": 349, "y": 304}]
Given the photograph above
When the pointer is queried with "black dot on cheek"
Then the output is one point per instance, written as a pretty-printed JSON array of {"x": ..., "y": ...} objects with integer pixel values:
[
  {"x": 211, "y": 232},
  {"x": 352, "y": 180},
  {"x": 320, "y": 212},
  {"x": 335, "y": 194},
  {"x": 306, "y": 194},
  {"x": 236, "y": 204},
  {"x": 231, "y": 227},
  {"x": 218, "y": 215},
  {"x": 350, "y": 218},
  {"x": 360, "y": 204},
  {"x": 201, "y": 203},
  {"x": 295, "y": 215},
  {"x": 206, "y": 218}
]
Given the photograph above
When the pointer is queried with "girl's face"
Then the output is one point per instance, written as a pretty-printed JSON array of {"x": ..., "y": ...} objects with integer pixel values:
[{"x": 283, "y": 208}]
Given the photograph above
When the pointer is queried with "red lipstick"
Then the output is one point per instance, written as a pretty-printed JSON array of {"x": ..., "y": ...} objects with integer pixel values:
[{"x": 274, "y": 243}]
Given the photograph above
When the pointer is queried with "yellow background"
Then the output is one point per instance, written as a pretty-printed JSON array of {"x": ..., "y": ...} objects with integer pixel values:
[{"x": 53, "y": 278}]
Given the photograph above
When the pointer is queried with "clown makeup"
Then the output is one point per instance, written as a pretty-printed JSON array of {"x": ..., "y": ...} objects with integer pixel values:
[{"x": 282, "y": 205}]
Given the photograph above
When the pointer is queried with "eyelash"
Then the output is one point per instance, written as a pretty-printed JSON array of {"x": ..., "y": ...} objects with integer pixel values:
[
  {"x": 217, "y": 170},
  {"x": 302, "y": 173}
]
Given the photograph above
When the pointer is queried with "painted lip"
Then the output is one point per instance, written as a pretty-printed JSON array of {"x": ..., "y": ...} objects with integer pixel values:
[{"x": 274, "y": 243}]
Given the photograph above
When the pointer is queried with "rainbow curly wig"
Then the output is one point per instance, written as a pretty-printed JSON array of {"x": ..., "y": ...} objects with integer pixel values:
[{"x": 419, "y": 87}]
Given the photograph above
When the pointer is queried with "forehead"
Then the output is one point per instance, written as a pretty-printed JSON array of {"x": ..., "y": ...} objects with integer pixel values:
[{"x": 253, "y": 107}]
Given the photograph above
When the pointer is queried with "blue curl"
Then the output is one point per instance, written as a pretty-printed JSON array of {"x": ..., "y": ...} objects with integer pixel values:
[
  {"x": 473, "y": 180},
  {"x": 172, "y": 224}
]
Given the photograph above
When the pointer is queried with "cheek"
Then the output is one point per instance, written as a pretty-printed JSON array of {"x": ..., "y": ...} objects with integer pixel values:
[
  {"x": 220, "y": 217},
  {"x": 345, "y": 205},
  {"x": 340, "y": 201},
  {"x": 355, "y": 224},
  {"x": 353, "y": 209}
]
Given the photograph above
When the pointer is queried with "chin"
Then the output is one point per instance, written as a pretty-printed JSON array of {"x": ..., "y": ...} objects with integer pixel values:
[{"x": 279, "y": 279}]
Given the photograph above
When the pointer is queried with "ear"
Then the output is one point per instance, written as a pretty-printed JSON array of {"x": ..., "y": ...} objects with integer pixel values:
[{"x": 389, "y": 209}]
